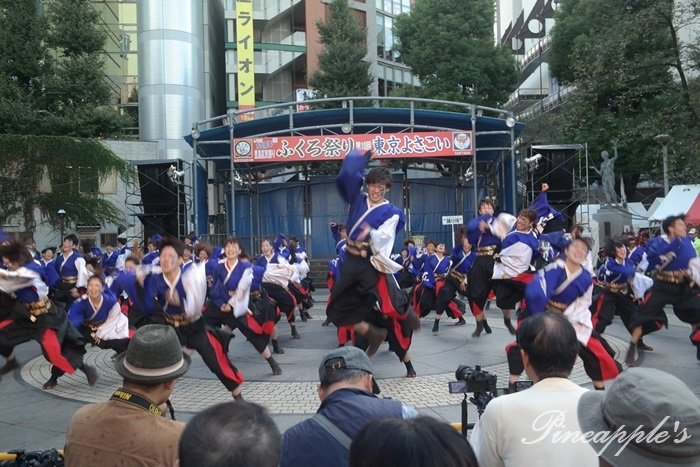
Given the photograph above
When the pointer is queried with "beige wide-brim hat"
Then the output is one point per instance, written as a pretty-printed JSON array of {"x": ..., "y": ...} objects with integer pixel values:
[{"x": 653, "y": 402}]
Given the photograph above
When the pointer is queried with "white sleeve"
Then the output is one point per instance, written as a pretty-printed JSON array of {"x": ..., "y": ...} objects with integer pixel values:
[
  {"x": 579, "y": 315},
  {"x": 643, "y": 264},
  {"x": 11, "y": 281},
  {"x": 121, "y": 262},
  {"x": 514, "y": 260},
  {"x": 116, "y": 326},
  {"x": 194, "y": 280},
  {"x": 640, "y": 284},
  {"x": 241, "y": 296},
  {"x": 279, "y": 274},
  {"x": 83, "y": 274},
  {"x": 382, "y": 242}
]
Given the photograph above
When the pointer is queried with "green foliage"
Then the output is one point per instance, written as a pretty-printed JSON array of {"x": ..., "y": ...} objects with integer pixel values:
[
  {"x": 450, "y": 47},
  {"x": 52, "y": 84},
  {"x": 342, "y": 68},
  {"x": 26, "y": 160},
  {"x": 625, "y": 59}
]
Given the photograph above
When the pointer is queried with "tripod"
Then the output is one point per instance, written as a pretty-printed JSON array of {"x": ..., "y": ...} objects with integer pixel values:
[{"x": 480, "y": 399}]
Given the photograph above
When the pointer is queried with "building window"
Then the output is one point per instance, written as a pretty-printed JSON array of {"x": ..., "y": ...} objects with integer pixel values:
[
  {"x": 380, "y": 36},
  {"x": 108, "y": 239}
]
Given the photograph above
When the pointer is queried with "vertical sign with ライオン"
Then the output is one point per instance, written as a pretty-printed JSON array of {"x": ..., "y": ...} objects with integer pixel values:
[{"x": 245, "y": 58}]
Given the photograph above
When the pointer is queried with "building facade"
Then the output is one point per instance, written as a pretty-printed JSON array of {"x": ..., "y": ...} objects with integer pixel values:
[{"x": 286, "y": 45}]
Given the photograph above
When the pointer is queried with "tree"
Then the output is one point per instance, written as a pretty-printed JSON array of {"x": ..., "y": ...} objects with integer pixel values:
[
  {"x": 626, "y": 62},
  {"x": 52, "y": 84},
  {"x": 342, "y": 68},
  {"x": 28, "y": 162},
  {"x": 449, "y": 45}
]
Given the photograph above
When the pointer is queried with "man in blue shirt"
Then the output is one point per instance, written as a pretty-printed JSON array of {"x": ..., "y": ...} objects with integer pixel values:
[{"x": 348, "y": 403}]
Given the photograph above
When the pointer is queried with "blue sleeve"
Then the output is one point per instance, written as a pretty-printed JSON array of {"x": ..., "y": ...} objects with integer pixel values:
[
  {"x": 537, "y": 294},
  {"x": 349, "y": 181},
  {"x": 543, "y": 209},
  {"x": 335, "y": 232},
  {"x": 473, "y": 231},
  {"x": 147, "y": 299},
  {"x": 218, "y": 294},
  {"x": 656, "y": 247},
  {"x": 75, "y": 314},
  {"x": 455, "y": 257},
  {"x": 278, "y": 242},
  {"x": 51, "y": 276}
]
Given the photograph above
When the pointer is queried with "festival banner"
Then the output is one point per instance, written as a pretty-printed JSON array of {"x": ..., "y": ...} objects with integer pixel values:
[
  {"x": 335, "y": 147},
  {"x": 245, "y": 58}
]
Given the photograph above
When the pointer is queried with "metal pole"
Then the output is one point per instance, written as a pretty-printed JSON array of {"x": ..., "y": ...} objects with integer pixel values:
[
  {"x": 588, "y": 192},
  {"x": 476, "y": 190},
  {"x": 665, "y": 152},
  {"x": 513, "y": 186},
  {"x": 195, "y": 137},
  {"x": 233, "y": 178},
  {"x": 664, "y": 140}
]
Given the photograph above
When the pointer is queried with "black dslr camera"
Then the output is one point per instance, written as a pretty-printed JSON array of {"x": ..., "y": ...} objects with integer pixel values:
[{"x": 473, "y": 380}]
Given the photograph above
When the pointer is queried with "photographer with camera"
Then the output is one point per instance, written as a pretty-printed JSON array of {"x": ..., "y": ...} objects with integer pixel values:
[{"x": 531, "y": 426}]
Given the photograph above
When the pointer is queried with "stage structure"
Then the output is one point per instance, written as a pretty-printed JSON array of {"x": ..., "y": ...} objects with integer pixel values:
[
  {"x": 272, "y": 169},
  {"x": 565, "y": 167}
]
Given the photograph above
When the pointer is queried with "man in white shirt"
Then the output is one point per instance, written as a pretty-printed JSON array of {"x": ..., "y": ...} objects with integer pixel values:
[{"x": 536, "y": 426}]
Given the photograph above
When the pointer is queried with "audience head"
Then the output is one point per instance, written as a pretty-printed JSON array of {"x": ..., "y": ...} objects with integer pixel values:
[
  {"x": 153, "y": 360},
  {"x": 549, "y": 346},
  {"x": 232, "y": 433},
  {"x": 653, "y": 402},
  {"x": 419, "y": 442},
  {"x": 346, "y": 367}
]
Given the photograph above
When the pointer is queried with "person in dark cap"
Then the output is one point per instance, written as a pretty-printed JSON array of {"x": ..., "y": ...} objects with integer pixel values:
[
  {"x": 348, "y": 403},
  {"x": 131, "y": 428},
  {"x": 645, "y": 418},
  {"x": 669, "y": 259}
]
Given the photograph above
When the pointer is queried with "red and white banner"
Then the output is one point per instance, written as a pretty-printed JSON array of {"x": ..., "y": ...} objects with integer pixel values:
[{"x": 335, "y": 147}]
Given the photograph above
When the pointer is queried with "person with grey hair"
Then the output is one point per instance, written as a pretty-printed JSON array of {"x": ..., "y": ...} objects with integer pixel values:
[
  {"x": 233, "y": 433},
  {"x": 131, "y": 428},
  {"x": 348, "y": 403},
  {"x": 645, "y": 418}
]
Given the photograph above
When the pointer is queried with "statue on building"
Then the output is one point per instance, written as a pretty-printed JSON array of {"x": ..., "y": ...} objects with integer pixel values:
[{"x": 607, "y": 176}]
